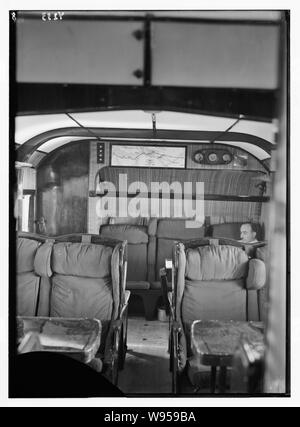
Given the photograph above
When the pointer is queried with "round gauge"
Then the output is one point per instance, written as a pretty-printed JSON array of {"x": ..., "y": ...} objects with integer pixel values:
[
  {"x": 226, "y": 158},
  {"x": 212, "y": 157},
  {"x": 198, "y": 157}
]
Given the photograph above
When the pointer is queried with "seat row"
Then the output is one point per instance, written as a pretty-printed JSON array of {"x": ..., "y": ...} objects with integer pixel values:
[
  {"x": 211, "y": 281},
  {"x": 77, "y": 276},
  {"x": 151, "y": 244},
  {"x": 84, "y": 276}
]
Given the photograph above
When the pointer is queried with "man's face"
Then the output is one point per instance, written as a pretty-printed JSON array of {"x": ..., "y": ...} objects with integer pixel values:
[{"x": 247, "y": 234}]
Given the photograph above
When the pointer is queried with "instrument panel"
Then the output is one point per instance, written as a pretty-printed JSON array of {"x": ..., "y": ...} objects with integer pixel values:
[{"x": 217, "y": 156}]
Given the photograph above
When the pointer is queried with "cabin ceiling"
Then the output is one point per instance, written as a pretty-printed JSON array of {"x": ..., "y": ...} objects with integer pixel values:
[
  {"x": 121, "y": 124},
  {"x": 217, "y": 62}
]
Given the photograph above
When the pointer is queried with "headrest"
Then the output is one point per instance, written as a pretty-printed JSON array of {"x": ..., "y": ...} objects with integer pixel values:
[
  {"x": 86, "y": 238},
  {"x": 42, "y": 260},
  {"x": 128, "y": 220},
  {"x": 216, "y": 263},
  {"x": 26, "y": 251},
  {"x": 134, "y": 234},
  {"x": 177, "y": 229},
  {"x": 212, "y": 241},
  {"x": 32, "y": 236},
  {"x": 82, "y": 259}
]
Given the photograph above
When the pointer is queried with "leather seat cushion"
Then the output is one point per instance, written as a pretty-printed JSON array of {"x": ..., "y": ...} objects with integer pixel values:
[
  {"x": 132, "y": 233},
  {"x": 178, "y": 229},
  {"x": 81, "y": 297},
  {"x": 27, "y": 294},
  {"x": 26, "y": 251},
  {"x": 28, "y": 283},
  {"x": 137, "y": 251},
  {"x": 209, "y": 300},
  {"x": 216, "y": 263},
  {"x": 137, "y": 267},
  {"x": 81, "y": 259}
]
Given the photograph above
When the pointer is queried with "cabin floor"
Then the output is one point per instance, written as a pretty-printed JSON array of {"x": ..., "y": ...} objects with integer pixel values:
[{"x": 146, "y": 370}]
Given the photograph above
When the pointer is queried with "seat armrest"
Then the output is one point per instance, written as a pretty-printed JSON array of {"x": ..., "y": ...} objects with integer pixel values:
[
  {"x": 176, "y": 327},
  {"x": 125, "y": 304},
  {"x": 170, "y": 298},
  {"x": 124, "y": 275},
  {"x": 116, "y": 325},
  {"x": 164, "y": 289},
  {"x": 257, "y": 276},
  {"x": 127, "y": 296},
  {"x": 172, "y": 308},
  {"x": 175, "y": 355},
  {"x": 115, "y": 350}
]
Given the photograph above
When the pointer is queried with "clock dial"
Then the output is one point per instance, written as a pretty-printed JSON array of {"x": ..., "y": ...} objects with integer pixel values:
[
  {"x": 226, "y": 157},
  {"x": 198, "y": 157},
  {"x": 212, "y": 157}
]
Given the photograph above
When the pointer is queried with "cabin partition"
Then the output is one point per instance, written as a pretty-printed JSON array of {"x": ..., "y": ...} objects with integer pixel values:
[{"x": 68, "y": 192}]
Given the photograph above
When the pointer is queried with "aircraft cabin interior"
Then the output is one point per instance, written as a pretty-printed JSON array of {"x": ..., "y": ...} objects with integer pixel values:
[{"x": 149, "y": 203}]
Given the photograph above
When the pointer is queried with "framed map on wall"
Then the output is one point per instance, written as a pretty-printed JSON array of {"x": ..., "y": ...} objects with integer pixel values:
[{"x": 155, "y": 156}]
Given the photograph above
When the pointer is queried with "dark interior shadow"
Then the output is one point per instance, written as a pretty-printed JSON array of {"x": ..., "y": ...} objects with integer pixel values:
[{"x": 52, "y": 375}]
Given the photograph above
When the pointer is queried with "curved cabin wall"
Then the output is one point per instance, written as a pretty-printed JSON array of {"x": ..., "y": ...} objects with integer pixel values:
[{"x": 62, "y": 191}]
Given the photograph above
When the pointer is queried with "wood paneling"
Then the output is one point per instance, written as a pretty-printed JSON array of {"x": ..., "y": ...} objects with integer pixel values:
[
  {"x": 63, "y": 204},
  {"x": 222, "y": 180},
  {"x": 216, "y": 181}
]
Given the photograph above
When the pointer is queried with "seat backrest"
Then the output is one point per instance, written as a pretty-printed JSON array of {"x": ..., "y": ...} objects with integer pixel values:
[
  {"x": 210, "y": 285},
  {"x": 217, "y": 282},
  {"x": 137, "y": 247},
  {"x": 214, "y": 283},
  {"x": 28, "y": 282},
  {"x": 73, "y": 276},
  {"x": 85, "y": 280},
  {"x": 168, "y": 232},
  {"x": 33, "y": 272},
  {"x": 221, "y": 262}
]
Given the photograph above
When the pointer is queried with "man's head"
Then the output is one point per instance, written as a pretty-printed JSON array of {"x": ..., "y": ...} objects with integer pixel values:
[{"x": 248, "y": 234}]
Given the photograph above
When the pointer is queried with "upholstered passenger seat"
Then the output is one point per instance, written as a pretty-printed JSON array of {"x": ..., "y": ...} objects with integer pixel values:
[
  {"x": 77, "y": 276},
  {"x": 33, "y": 271},
  {"x": 137, "y": 247},
  {"x": 140, "y": 246},
  {"x": 28, "y": 282},
  {"x": 148, "y": 248},
  {"x": 214, "y": 282}
]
